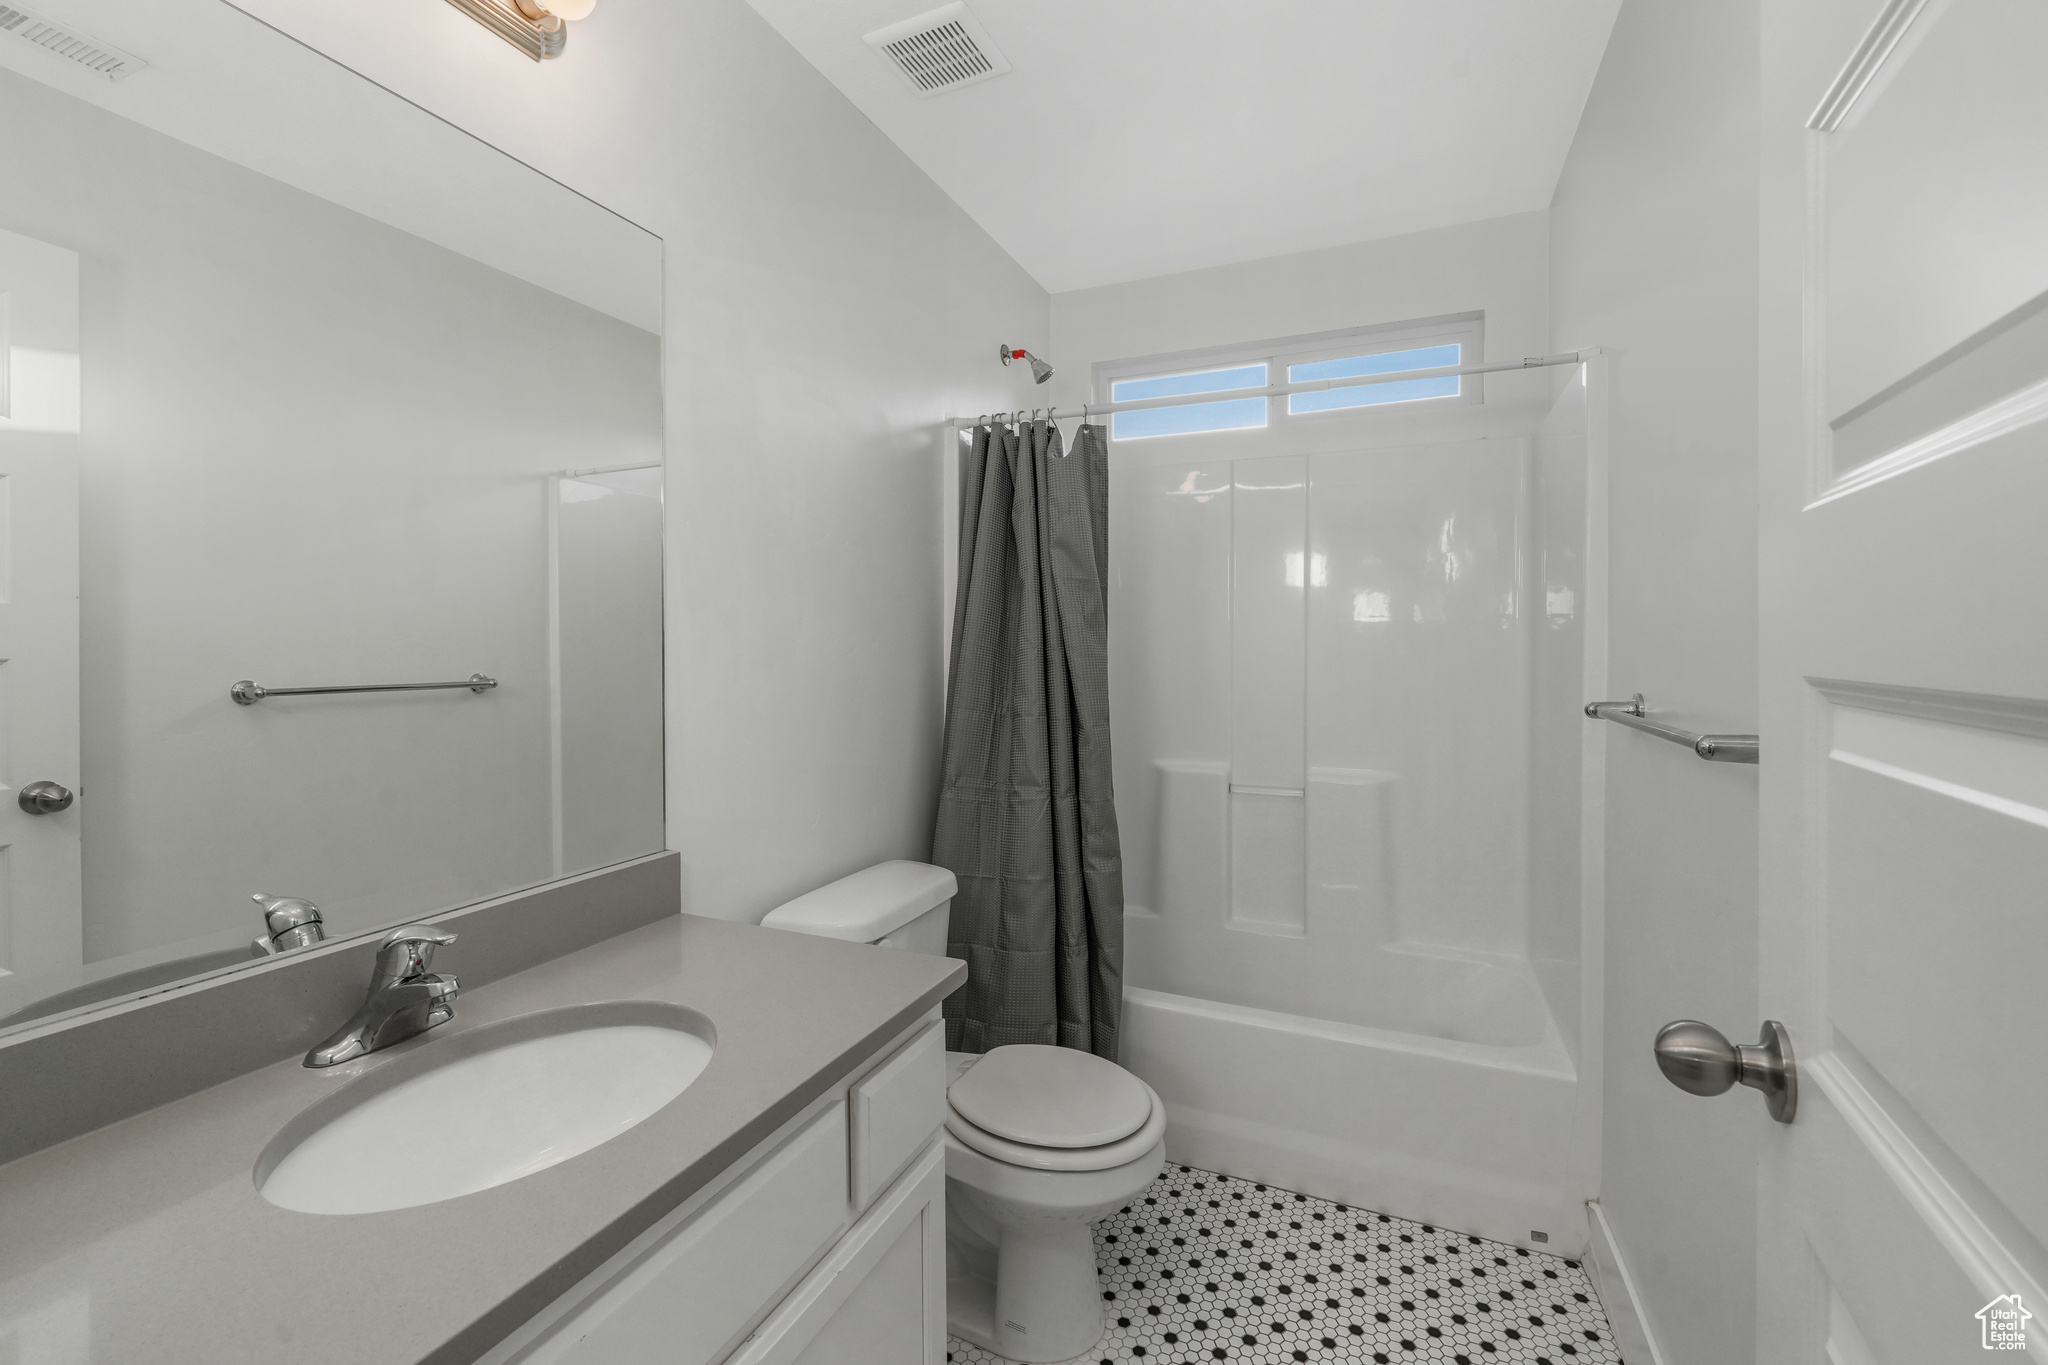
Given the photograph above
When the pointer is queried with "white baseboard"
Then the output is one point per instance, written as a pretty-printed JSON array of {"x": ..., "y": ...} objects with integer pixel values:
[{"x": 1617, "y": 1291}]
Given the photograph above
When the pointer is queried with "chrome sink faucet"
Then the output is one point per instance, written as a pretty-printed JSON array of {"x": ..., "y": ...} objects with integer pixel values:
[{"x": 405, "y": 998}]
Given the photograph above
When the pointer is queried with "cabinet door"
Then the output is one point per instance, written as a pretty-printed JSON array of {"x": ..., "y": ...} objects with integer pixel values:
[
  {"x": 880, "y": 1297},
  {"x": 685, "y": 1301},
  {"x": 893, "y": 1110}
]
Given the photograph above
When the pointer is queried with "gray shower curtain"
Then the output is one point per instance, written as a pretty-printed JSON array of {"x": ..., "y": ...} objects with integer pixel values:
[{"x": 1026, "y": 819}]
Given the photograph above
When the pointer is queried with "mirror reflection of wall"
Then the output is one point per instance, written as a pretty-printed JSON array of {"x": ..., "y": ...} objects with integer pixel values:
[
  {"x": 607, "y": 541},
  {"x": 315, "y": 449}
]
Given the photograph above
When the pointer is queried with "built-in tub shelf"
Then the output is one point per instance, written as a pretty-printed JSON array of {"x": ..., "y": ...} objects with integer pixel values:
[{"x": 1713, "y": 748}]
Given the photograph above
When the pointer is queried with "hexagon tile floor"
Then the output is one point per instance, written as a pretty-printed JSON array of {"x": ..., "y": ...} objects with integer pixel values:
[{"x": 1209, "y": 1267}]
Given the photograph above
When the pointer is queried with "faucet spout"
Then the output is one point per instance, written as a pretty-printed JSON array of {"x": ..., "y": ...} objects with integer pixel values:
[{"x": 404, "y": 1001}]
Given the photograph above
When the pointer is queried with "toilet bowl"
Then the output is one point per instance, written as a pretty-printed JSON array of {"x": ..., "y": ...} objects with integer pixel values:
[{"x": 1040, "y": 1142}]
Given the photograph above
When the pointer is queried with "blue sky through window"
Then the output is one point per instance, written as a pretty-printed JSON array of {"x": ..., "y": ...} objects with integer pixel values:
[
  {"x": 1385, "y": 362},
  {"x": 1227, "y": 415}
]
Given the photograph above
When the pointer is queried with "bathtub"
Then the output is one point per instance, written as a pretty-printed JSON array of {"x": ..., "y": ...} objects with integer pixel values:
[{"x": 1471, "y": 1135}]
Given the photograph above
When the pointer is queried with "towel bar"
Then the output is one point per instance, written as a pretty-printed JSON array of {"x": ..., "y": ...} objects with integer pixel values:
[
  {"x": 247, "y": 693},
  {"x": 1713, "y": 748}
]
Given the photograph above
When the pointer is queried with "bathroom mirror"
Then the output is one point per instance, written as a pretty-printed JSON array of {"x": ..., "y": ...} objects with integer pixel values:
[{"x": 304, "y": 388}]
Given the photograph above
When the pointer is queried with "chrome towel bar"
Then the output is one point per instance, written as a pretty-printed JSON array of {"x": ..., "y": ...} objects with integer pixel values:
[
  {"x": 247, "y": 693},
  {"x": 1713, "y": 748}
]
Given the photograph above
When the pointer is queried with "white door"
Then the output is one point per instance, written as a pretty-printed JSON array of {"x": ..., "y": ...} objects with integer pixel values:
[
  {"x": 41, "y": 946},
  {"x": 1903, "y": 1214}
]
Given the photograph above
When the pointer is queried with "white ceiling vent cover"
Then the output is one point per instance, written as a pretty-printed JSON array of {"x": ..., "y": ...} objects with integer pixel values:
[
  {"x": 942, "y": 50},
  {"x": 103, "y": 58}
]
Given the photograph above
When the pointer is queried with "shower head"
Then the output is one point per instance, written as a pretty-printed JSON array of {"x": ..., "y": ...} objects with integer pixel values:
[{"x": 1040, "y": 371}]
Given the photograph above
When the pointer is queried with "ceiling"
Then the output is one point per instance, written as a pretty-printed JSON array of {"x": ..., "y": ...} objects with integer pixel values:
[{"x": 1135, "y": 138}]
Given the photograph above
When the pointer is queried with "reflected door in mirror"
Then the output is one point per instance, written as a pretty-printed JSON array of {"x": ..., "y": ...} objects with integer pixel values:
[{"x": 39, "y": 407}]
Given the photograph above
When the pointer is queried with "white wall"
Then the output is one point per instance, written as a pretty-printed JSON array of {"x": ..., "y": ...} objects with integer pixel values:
[
  {"x": 1654, "y": 254},
  {"x": 311, "y": 454},
  {"x": 608, "y": 731},
  {"x": 827, "y": 307}
]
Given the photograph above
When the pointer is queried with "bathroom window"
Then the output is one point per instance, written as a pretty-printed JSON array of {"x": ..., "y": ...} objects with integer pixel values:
[
  {"x": 1356, "y": 353},
  {"x": 1379, "y": 362},
  {"x": 1225, "y": 415}
]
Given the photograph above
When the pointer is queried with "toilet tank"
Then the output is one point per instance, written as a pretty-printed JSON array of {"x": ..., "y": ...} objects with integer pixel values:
[{"x": 893, "y": 905}]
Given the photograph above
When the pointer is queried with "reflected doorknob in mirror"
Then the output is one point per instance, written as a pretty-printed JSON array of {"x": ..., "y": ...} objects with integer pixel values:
[
  {"x": 44, "y": 798},
  {"x": 1699, "y": 1059}
]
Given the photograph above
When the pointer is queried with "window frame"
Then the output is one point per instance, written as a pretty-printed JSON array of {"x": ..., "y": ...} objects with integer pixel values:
[{"x": 1467, "y": 330}]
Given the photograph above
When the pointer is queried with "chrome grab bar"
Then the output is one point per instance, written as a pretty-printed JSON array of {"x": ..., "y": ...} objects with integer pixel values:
[
  {"x": 1713, "y": 748},
  {"x": 247, "y": 693}
]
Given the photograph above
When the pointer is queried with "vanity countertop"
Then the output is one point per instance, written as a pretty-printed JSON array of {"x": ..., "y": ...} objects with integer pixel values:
[{"x": 147, "y": 1240}]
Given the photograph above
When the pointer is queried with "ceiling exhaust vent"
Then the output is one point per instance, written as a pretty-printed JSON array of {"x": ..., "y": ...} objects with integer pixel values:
[
  {"x": 68, "y": 43},
  {"x": 942, "y": 50}
]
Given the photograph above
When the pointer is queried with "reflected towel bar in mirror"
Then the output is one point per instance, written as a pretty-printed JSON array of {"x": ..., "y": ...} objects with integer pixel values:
[
  {"x": 1713, "y": 748},
  {"x": 247, "y": 693}
]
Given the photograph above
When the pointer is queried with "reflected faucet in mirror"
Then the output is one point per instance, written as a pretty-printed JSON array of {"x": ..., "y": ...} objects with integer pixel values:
[
  {"x": 405, "y": 999},
  {"x": 288, "y": 923}
]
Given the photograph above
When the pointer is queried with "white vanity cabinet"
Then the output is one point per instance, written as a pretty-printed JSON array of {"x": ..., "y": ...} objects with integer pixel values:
[{"x": 825, "y": 1243}]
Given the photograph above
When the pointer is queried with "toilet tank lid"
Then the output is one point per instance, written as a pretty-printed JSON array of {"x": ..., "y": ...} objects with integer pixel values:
[{"x": 871, "y": 904}]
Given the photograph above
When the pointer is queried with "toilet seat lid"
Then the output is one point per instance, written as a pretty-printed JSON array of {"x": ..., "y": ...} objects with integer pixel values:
[{"x": 1051, "y": 1097}]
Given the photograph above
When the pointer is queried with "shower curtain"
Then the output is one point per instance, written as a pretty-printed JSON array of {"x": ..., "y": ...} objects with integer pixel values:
[{"x": 1026, "y": 820}]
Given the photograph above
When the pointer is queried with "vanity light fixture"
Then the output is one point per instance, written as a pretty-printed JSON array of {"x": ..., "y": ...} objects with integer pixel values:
[{"x": 539, "y": 29}]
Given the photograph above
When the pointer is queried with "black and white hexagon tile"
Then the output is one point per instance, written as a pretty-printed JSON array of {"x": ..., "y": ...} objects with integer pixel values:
[{"x": 1207, "y": 1267}]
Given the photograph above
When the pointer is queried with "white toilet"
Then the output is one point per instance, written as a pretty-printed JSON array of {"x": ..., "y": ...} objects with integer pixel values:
[{"x": 1040, "y": 1142}]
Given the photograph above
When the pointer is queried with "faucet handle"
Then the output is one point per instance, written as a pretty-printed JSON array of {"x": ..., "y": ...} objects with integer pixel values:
[
  {"x": 408, "y": 952},
  {"x": 288, "y": 923}
]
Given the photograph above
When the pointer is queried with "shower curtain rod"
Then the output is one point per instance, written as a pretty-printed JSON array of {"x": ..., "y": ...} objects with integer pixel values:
[{"x": 1534, "y": 362}]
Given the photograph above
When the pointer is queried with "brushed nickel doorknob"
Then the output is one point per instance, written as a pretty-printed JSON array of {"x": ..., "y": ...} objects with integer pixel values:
[
  {"x": 44, "y": 798},
  {"x": 1699, "y": 1059}
]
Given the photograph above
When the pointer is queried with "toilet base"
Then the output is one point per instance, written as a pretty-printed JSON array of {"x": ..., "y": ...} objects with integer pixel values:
[{"x": 1028, "y": 1293}]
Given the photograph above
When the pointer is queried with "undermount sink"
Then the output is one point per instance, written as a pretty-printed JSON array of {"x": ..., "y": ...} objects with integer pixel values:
[{"x": 474, "y": 1110}]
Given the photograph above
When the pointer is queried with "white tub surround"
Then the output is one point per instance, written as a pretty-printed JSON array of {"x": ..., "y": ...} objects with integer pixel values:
[{"x": 1350, "y": 974}]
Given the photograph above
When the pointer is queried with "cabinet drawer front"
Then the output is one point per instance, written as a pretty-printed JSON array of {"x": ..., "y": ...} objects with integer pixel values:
[
  {"x": 692, "y": 1296},
  {"x": 895, "y": 1109}
]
